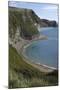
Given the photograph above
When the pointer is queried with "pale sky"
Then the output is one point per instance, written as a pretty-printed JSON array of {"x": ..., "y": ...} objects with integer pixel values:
[{"x": 44, "y": 11}]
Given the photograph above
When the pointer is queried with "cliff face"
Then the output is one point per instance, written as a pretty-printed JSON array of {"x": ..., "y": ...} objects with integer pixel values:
[
  {"x": 21, "y": 19},
  {"x": 47, "y": 23},
  {"x": 43, "y": 22},
  {"x": 24, "y": 22}
]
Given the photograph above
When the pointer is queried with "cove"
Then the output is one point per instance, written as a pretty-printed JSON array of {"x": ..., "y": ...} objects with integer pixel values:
[{"x": 45, "y": 51}]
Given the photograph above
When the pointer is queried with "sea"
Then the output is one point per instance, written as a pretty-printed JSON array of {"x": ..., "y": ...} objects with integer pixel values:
[{"x": 45, "y": 51}]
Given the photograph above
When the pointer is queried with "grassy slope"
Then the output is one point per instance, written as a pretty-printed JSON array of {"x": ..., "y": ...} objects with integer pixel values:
[{"x": 22, "y": 74}]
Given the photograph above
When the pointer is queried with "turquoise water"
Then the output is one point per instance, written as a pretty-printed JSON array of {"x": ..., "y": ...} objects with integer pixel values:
[{"x": 45, "y": 51}]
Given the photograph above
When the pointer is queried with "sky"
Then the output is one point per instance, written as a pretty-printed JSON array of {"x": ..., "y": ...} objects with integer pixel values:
[{"x": 44, "y": 11}]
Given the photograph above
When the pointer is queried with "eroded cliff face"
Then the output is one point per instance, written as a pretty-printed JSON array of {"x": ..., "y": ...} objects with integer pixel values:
[{"x": 24, "y": 23}]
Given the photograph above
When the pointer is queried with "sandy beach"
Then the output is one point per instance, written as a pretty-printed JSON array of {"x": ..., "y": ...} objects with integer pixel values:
[{"x": 41, "y": 67}]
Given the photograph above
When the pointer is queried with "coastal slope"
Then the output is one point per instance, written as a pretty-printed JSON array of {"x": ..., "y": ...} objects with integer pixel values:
[
  {"x": 22, "y": 74},
  {"x": 26, "y": 23},
  {"x": 23, "y": 27}
]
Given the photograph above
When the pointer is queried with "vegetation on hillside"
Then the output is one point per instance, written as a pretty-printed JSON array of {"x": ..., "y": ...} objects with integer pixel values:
[
  {"x": 21, "y": 18},
  {"x": 22, "y": 74}
]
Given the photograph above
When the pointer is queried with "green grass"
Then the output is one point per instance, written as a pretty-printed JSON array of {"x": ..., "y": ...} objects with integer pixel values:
[{"x": 22, "y": 74}]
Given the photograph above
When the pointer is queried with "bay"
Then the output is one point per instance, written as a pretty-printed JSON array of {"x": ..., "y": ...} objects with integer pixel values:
[{"x": 45, "y": 51}]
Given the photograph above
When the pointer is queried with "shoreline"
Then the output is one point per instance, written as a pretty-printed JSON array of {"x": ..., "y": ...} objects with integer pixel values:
[
  {"x": 41, "y": 67},
  {"x": 21, "y": 47}
]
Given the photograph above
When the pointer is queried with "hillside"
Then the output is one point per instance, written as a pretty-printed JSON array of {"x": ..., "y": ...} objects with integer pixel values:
[
  {"x": 21, "y": 19},
  {"x": 22, "y": 74},
  {"x": 27, "y": 22}
]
